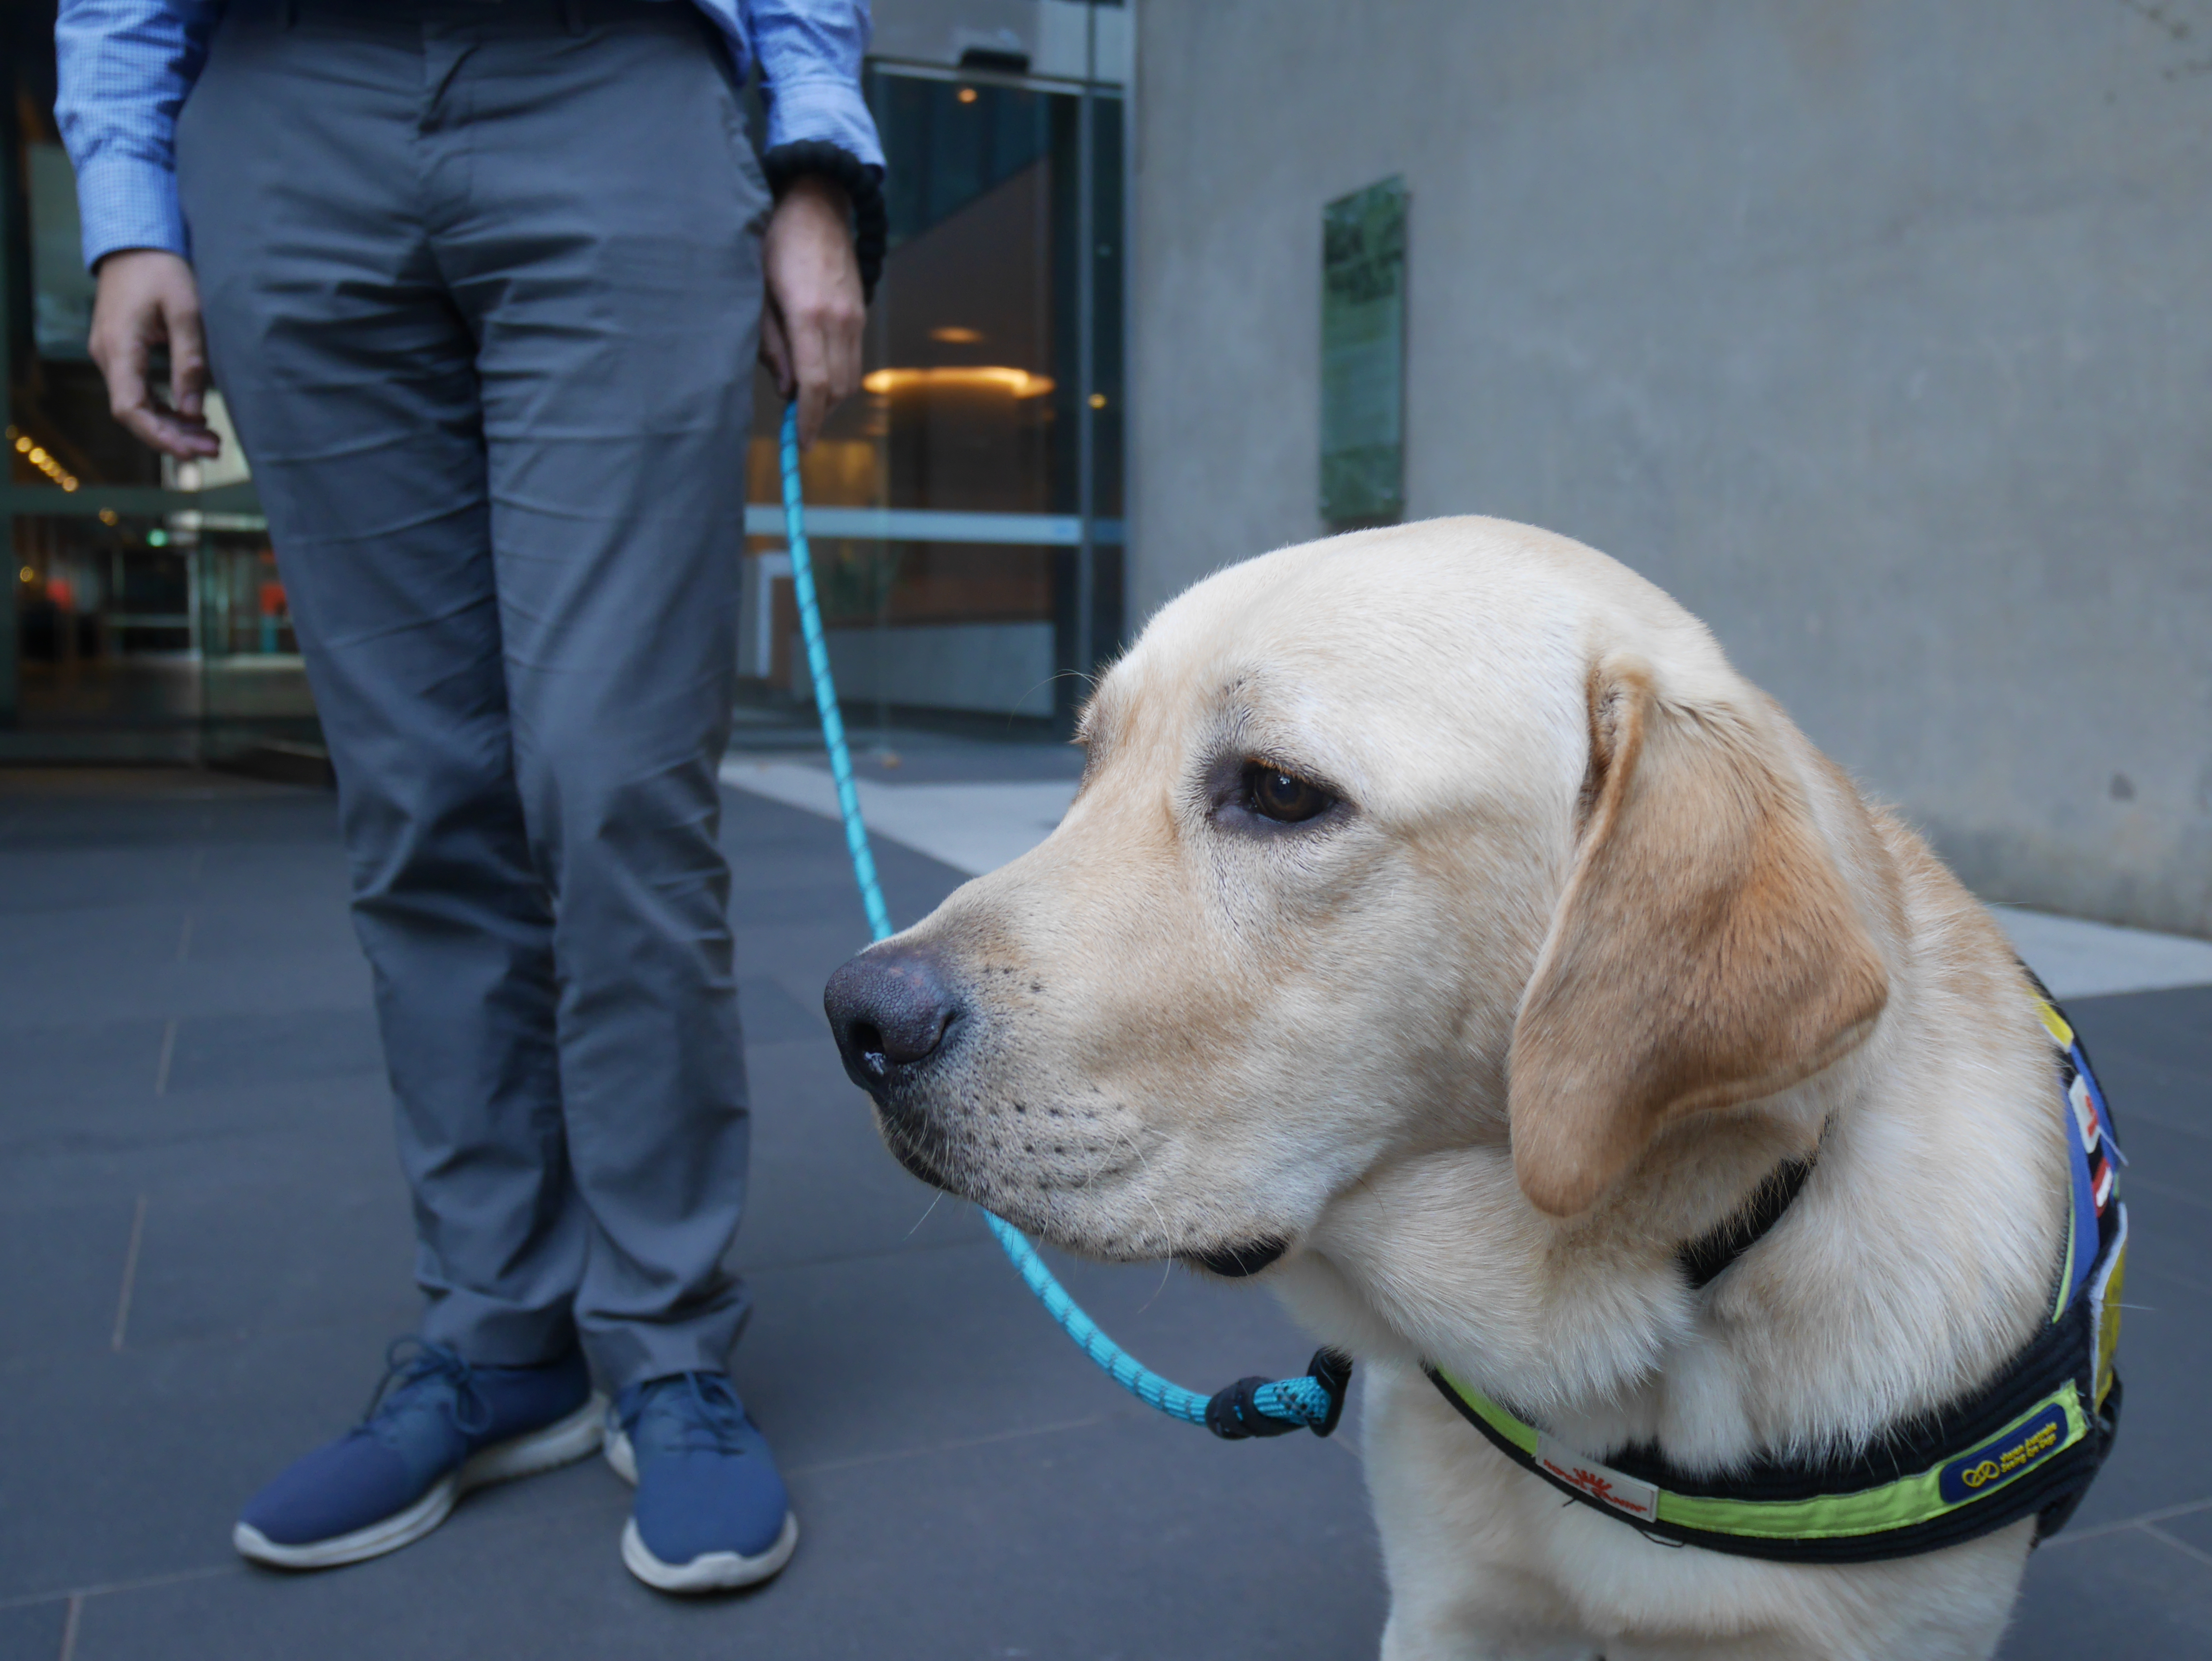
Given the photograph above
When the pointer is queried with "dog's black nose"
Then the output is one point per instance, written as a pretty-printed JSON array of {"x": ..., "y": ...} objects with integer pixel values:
[{"x": 890, "y": 1007}]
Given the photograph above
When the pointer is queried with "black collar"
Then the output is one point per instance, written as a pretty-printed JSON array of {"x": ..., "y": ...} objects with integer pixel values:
[{"x": 1709, "y": 1257}]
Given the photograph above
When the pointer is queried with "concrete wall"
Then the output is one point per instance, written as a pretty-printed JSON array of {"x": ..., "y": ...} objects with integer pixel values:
[{"x": 1880, "y": 334}]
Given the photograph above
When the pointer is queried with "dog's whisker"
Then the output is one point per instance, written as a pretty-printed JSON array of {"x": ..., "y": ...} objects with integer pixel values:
[{"x": 926, "y": 1210}]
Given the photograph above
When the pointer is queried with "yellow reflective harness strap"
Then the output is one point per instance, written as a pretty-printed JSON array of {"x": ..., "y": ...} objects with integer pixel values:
[
  {"x": 2047, "y": 1428},
  {"x": 2012, "y": 1453}
]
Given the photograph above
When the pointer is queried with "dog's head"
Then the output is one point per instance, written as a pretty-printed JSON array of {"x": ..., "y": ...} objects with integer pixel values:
[{"x": 1401, "y": 841}]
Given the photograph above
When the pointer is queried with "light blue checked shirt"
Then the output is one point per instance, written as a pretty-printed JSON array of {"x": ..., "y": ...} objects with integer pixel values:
[{"x": 127, "y": 66}]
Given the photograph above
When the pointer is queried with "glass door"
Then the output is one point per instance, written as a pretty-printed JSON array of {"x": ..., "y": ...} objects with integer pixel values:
[
  {"x": 143, "y": 621},
  {"x": 966, "y": 510}
]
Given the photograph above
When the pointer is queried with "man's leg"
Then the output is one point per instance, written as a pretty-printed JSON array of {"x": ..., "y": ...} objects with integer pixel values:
[
  {"x": 601, "y": 235},
  {"x": 351, "y": 376}
]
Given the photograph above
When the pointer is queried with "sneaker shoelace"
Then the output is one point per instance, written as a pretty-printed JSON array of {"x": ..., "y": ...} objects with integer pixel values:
[
  {"x": 710, "y": 1418},
  {"x": 410, "y": 1363}
]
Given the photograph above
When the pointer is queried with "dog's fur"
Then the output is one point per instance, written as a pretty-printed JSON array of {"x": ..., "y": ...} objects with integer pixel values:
[{"x": 1595, "y": 940}]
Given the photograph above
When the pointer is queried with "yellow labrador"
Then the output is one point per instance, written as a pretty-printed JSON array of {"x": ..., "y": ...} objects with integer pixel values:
[{"x": 1445, "y": 929}]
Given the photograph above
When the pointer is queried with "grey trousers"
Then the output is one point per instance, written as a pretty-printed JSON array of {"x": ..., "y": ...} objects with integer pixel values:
[{"x": 482, "y": 285}]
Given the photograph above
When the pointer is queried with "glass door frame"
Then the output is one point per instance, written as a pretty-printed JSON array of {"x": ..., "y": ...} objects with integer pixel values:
[{"x": 1095, "y": 636}]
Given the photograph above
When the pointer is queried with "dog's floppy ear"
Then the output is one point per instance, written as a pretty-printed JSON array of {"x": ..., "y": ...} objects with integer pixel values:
[{"x": 1705, "y": 951}]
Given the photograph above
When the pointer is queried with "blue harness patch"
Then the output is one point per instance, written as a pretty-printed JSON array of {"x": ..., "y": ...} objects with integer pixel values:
[{"x": 2002, "y": 1460}]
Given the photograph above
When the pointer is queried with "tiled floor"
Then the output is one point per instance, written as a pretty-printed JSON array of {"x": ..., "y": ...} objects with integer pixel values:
[{"x": 204, "y": 1247}]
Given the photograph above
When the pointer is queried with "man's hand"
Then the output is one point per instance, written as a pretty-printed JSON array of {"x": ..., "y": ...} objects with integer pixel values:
[
  {"x": 146, "y": 297},
  {"x": 811, "y": 324}
]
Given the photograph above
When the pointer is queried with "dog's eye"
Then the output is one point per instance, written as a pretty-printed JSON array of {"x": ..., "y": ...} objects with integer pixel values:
[{"x": 1284, "y": 797}]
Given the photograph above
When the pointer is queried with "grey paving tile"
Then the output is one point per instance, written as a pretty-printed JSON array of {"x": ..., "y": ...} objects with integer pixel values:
[
  {"x": 69, "y": 879},
  {"x": 169, "y": 1442},
  {"x": 68, "y": 1064},
  {"x": 2193, "y": 1530},
  {"x": 2169, "y": 1227},
  {"x": 58, "y": 966},
  {"x": 754, "y": 830},
  {"x": 985, "y": 1550},
  {"x": 2169, "y": 1161},
  {"x": 227, "y": 872},
  {"x": 772, "y": 1015},
  {"x": 823, "y": 1187},
  {"x": 70, "y": 967},
  {"x": 801, "y": 957},
  {"x": 63, "y": 1268},
  {"x": 152, "y": 808},
  {"x": 219, "y": 1051},
  {"x": 237, "y": 933},
  {"x": 33, "y": 1632},
  {"x": 2124, "y": 1594},
  {"x": 865, "y": 1357},
  {"x": 2162, "y": 1456},
  {"x": 142, "y": 1141},
  {"x": 823, "y": 899},
  {"x": 345, "y": 1250},
  {"x": 2147, "y": 1092},
  {"x": 2169, "y": 1029}
]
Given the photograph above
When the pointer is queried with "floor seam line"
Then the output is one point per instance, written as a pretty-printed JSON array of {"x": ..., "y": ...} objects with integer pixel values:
[
  {"x": 130, "y": 1275},
  {"x": 168, "y": 1055},
  {"x": 951, "y": 1446},
  {"x": 2075, "y": 1537},
  {"x": 108, "y": 1588},
  {"x": 2179, "y": 1544}
]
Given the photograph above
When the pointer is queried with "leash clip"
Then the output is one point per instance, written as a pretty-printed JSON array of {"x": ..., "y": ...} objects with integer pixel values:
[{"x": 1235, "y": 1414}]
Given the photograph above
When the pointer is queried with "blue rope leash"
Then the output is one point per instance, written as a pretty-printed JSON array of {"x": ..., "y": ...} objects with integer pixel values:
[{"x": 1251, "y": 1406}]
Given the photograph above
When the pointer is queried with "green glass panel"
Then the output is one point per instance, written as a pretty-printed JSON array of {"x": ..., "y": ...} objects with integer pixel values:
[{"x": 1363, "y": 355}]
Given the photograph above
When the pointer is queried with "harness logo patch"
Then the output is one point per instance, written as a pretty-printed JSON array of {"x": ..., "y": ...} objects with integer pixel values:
[
  {"x": 1995, "y": 1463},
  {"x": 1596, "y": 1481},
  {"x": 2086, "y": 1119}
]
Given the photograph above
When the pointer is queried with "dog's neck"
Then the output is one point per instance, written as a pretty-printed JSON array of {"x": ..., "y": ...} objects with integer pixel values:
[{"x": 1916, "y": 1259}]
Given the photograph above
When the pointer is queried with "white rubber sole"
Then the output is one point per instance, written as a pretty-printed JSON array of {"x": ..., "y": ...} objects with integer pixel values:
[
  {"x": 712, "y": 1571},
  {"x": 561, "y": 1443}
]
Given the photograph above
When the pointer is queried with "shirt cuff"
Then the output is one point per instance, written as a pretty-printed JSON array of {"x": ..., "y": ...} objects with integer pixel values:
[
  {"x": 828, "y": 108},
  {"x": 129, "y": 202}
]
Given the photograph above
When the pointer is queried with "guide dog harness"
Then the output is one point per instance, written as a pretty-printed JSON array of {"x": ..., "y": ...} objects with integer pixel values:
[{"x": 2027, "y": 1443}]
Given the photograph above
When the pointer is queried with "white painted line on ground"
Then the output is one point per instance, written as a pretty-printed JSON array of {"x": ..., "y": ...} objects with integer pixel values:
[
  {"x": 2078, "y": 959},
  {"x": 976, "y": 828},
  {"x": 973, "y": 828}
]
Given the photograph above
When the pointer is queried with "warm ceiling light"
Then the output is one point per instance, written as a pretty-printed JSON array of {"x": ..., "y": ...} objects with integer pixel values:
[
  {"x": 1097, "y": 401},
  {"x": 23, "y": 445},
  {"x": 953, "y": 335},
  {"x": 967, "y": 94},
  {"x": 1020, "y": 383},
  {"x": 107, "y": 515},
  {"x": 28, "y": 574},
  {"x": 68, "y": 484}
]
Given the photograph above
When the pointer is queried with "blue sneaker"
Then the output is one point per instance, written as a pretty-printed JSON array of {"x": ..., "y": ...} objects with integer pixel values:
[
  {"x": 436, "y": 1427},
  {"x": 711, "y": 1512}
]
